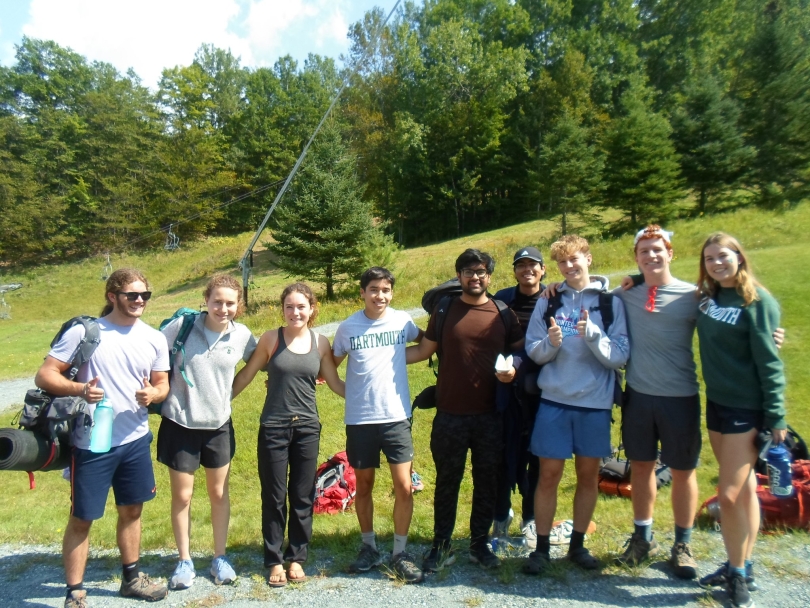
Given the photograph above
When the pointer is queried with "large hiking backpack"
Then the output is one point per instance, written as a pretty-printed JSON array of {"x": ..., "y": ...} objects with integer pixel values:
[
  {"x": 776, "y": 511},
  {"x": 335, "y": 485},
  {"x": 614, "y": 475},
  {"x": 52, "y": 415},
  {"x": 49, "y": 418}
]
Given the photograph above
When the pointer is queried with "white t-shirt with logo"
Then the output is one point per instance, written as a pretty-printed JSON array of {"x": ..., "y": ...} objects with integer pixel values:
[
  {"x": 376, "y": 372},
  {"x": 124, "y": 357}
]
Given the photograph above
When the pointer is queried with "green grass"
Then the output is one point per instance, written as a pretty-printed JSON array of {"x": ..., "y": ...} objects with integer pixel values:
[{"x": 776, "y": 243}]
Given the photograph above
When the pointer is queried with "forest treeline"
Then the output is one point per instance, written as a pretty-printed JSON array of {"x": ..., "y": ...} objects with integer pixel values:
[{"x": 460, "y": 116}]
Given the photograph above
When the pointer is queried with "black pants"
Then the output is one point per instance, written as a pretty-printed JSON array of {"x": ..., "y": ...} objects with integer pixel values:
[
  {"x": 528, "y": 475},
  {"x": 451, "y": 437},
  {"x": 280, "y": 447}
]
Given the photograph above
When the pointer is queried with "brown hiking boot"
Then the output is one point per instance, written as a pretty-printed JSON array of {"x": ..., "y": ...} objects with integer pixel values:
[
  {"x": 681, "y": 561},
  {"x": 76, "y": 599},
  {"x": 143, "y": 588},
  {"x": 637, "y": 551}
]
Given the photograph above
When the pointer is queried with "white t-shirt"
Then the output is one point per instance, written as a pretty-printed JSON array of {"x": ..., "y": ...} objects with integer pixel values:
[
  {"x": 376, "y": 373},
  {"x": 124, "y": 357}
]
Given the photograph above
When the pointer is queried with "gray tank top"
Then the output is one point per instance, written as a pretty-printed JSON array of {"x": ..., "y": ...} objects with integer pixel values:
[{"x": 291, "y": 384}]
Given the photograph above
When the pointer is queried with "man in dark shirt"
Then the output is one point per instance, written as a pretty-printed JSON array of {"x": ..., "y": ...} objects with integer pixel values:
[
  {"x": 518, "y": 466},
  {"x": 473, "y": 334}
]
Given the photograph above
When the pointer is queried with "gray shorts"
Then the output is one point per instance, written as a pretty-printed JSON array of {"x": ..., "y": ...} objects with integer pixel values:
[
  {"x": 364, "y": 442},
  {"x": 674, "y": 421}
]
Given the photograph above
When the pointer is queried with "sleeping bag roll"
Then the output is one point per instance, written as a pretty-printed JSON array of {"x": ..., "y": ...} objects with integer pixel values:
[{"x": 22, "y": 450}]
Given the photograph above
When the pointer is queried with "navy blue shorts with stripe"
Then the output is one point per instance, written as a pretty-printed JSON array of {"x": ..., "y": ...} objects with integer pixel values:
[{"x": 127, "y": 469}]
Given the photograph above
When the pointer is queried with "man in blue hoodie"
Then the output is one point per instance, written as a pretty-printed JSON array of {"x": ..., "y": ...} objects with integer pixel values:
[{"x": 577, "y": 380}]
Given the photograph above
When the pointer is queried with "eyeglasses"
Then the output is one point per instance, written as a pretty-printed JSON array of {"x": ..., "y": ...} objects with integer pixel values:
[
  {"x": 134, "y": 295},
  {"x": 469, "y": 273},
  {"x": 651, "y": 293}
]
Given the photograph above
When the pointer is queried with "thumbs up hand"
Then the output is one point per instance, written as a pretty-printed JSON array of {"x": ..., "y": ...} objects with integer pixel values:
[
  {"x": 145, "y": 395},
  {"x": 555, "y": 333},
  {"x": 582, "y": 324},
  {"x": 91, "y": 391}
]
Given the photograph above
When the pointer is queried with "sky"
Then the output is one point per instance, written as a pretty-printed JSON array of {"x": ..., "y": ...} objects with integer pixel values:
[{"x": 149, "y": 35}]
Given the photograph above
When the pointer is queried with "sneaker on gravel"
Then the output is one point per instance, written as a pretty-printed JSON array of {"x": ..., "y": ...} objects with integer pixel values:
[
  {"x": 183, "y": 576},
  {"x": 76, "y": 599},
  {"x": 536, "y": 563},
  {"x": 405, "y": 568},
  {"x": 637, "y": 550},
  {"x": 441, "y": 554},
  {"x": 583, "y": 558},
  {"x": 681, "y": 561},
  {"x": 143, "y": 588},
  {"x": 529, "y": 531},
  {"x": 717, "y": 579},
  {"x": 222, "y": 571},
  {"x": 417, "y": 485},
  {"x": 561, "y": 533},
  {"x": 482, "y": 554},
  {"x": 367, "y": 559},
  {"x": 737, "y": 590}
]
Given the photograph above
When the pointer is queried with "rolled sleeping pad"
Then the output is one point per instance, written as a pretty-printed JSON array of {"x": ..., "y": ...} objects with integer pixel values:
[{"x": 22, "y": 450}]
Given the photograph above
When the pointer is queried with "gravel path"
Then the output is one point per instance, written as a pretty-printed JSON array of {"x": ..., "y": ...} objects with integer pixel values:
[{"x": 32, "y": 576}]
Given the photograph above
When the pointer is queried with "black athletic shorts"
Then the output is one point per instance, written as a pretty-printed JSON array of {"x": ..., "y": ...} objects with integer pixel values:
[
  {"x": 732, "y": 420},
  {"x": 364, "y": 442},
  {"x": 184, "y": 449},
  {"x": 674, "y": 421}
]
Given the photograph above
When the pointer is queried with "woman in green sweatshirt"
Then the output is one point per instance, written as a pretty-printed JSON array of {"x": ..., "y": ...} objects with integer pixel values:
[{"x": 744, "y": 394}]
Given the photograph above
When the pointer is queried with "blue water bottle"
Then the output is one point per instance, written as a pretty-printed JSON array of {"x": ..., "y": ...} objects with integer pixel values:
[
  {"x": 780, "y": 476},
  {"x": 101, "y": 434}
]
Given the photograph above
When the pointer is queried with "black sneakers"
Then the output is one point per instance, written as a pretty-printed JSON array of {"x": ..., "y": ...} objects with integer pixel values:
[{"x": 441, "y": 554}]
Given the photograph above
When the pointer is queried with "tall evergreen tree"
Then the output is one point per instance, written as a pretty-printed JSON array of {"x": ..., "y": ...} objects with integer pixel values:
[
  {"x": 322, "y": 233},
  {"x": 714, "y": 156},
  {"x": 775, "y": 92},
  {"x": 641, "y": 170},
  {"x": 570, "y": 167}
]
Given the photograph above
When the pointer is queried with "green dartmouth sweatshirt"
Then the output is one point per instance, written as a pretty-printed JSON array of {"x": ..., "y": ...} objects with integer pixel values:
[{"x": 741, "y": 364}]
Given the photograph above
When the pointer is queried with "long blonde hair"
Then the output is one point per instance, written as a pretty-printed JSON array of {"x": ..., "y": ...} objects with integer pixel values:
[{"x": 746, "y": 283}]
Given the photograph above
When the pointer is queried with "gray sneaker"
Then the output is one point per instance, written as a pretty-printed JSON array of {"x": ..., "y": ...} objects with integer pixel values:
[
  {"x": 76, "y": 599},
  {"x": 637, "y": 550},
  {"x": 367, "y": 559},
  {"x": 183, "y": 576},
  {"x": 222, "y": 571},
  {"x": 405, "y": 568},
  {"x": 529, "y": 532},
  {"x": 143, "y": 588}
]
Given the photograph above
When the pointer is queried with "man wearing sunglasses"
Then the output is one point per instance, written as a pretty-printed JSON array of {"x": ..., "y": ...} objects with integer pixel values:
[
  {"x": 473, "y": 334},
  {"x": 129, "y": 367}
]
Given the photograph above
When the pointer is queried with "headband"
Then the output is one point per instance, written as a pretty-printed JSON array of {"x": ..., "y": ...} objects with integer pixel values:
[{"x": 667, "y": 236}]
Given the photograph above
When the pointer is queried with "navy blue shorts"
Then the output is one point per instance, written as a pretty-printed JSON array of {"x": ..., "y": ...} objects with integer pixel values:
[
  {"x": 732, "y": 420},
  {"x": 127, "y": 469},
  {"x": 562, "y": 430}
]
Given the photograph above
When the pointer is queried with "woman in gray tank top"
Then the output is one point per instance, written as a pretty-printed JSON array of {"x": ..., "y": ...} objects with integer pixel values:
[{"x": 294, "y": 356}]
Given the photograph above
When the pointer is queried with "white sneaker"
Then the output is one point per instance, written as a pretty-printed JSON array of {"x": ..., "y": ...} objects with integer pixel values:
[
  {"x": 529, "y": 532},
  {"x": 184, "y": 575},
  {"x": 561, "y": 533}
]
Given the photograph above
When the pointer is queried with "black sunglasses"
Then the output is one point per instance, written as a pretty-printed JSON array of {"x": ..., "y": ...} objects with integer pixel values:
[{"x": 134, "y": 295}]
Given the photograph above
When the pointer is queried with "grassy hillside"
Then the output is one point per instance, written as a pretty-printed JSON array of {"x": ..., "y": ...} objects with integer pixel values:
[{"x": 776, "y": 243}]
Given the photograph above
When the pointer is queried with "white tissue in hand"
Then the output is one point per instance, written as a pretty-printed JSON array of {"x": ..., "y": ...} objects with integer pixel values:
[{"x": 503, "y": 365}]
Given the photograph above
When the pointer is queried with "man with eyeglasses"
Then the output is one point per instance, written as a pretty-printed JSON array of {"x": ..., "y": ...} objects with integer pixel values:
[
  {"x": 473, "y": 334},
  {"x": 129, "y": 367}
]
